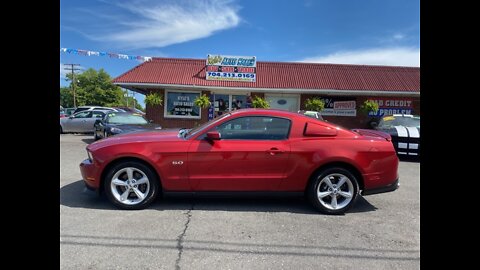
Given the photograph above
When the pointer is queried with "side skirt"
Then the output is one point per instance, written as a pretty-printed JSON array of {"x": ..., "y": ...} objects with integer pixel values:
[{"x": 232, "y": 194}]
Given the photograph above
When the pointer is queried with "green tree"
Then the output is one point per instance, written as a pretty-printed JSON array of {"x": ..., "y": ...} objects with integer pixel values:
[
  {"x": 96, "y": 88},
  {"x": 66, "y": 97},
  {"x": 131, "y": 101},
  {"x": 259, "y": 102},
  {"x": 314, "y": 104}
]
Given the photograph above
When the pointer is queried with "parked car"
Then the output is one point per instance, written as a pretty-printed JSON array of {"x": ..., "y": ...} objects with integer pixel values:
[
  {"x": 405, "y": 132},
  {"x": 89, "y": 108},
  {"x": 247, "y": 150},
  {"x": 114, "y": 123},
  {"x": 132, "y": 110},
  {"x": 81, "y": 122},
  {"x": 312, "y": 114},
  {"x": 62, "y": 112}
]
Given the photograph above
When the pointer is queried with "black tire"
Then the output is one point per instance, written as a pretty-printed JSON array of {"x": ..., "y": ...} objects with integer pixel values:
[
  {"x": 324, "y": 205},
  {"x": 113, "y": 191}
]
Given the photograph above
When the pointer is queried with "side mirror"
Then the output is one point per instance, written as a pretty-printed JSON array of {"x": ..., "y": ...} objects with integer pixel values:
[
  {"x": 213, "y": 135},
  {"x": 71, "y": 117}
]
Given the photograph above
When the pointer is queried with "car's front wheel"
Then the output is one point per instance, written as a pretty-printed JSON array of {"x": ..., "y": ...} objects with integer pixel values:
[
  {"x": 333, "y": 190},
  {"x": 131, "y": 185}
]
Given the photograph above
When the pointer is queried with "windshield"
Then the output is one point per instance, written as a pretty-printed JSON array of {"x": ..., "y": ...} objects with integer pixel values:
[
  {"x": 193, "y": 131},
  {"x": 126, "y": 119},
  {"x": 391, "y": 121}
]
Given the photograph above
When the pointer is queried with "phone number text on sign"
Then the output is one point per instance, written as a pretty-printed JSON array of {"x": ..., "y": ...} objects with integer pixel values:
[{"x": 228, "y": 76}]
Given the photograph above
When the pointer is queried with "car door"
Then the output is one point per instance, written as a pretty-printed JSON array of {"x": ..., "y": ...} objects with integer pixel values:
[
  {"x": 251, "y": 155},
  {"x": 74, "y": 123},
  {"x": 88, "y": 124}
]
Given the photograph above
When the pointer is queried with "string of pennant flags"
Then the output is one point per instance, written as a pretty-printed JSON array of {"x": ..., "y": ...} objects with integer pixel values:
[{"x": 111, "y": 55}]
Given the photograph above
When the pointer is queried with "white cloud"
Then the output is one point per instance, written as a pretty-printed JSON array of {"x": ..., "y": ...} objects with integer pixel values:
[
  {"x": 398, "y": 36},
  {"x": 399, "y": 56},
  {"x": 151, "y": 24}
]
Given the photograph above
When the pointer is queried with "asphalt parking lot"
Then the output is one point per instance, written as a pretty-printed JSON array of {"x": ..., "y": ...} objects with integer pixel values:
[{"x": 380, "y": 232}]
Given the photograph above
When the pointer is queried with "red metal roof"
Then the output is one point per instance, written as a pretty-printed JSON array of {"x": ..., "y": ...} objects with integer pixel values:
[{"x": 287, "y": 75}]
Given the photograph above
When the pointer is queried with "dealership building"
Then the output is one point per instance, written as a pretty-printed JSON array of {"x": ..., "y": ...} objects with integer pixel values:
[{"x": 231, "y": 81}]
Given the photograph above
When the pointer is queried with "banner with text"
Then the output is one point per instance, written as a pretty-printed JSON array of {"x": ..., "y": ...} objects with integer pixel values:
[
  {"x": 389, "y": 106},
  {"x": 231, "y": 68},
  {"x": 339, "y": 107}
]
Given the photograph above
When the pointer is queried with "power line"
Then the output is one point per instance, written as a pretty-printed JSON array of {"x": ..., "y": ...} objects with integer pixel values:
[{"x": 73, "y": 69}]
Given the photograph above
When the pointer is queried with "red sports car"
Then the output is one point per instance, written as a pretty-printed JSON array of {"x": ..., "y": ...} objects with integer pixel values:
[{"x": 258, "y": 151}]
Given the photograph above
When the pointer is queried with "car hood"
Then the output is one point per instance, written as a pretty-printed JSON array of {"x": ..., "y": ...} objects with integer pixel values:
[
  {"x": 396, "y": 130},
  {"x": 162, "y": 135},
  {"x": 135, "y": 127}
]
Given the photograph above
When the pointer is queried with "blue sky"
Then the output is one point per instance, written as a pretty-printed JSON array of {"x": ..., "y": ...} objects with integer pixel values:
[{"x": 370, "y": 32}]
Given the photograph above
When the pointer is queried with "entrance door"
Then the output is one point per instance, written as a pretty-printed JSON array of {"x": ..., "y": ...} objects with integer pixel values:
[{"x": 283, "y": 102}]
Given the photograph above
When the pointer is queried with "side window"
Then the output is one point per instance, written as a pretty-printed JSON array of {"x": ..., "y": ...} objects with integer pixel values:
[
  {"x": 96, "y": 114},
  {"x": 86, "y": 114},
  {"x": 255, "y": 128}
]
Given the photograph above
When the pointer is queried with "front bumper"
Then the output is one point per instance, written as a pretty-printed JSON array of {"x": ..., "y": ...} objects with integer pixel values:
[
  {"x": 392, "y": 187},
  {"x": 89, "y": 175}
]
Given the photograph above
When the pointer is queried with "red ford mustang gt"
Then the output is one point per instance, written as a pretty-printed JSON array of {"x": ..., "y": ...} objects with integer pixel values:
[{"x": 250, "y": 150}]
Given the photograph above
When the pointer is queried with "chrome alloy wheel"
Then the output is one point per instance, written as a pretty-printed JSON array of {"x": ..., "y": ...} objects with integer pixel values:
[
  {"x": 335, "y": 191},
  {"x": 130, "y": 186}
]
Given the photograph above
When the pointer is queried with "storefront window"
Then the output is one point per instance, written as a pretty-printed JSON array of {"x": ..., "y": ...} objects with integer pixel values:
[
  {"x": 226, "y": 103},
  {"x": 179, "y": 104}
]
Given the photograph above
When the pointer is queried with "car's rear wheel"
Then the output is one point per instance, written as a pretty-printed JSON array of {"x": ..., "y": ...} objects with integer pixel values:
[
  {"x": 131, "y": 185},
  {"x": 333, "y": 190}
]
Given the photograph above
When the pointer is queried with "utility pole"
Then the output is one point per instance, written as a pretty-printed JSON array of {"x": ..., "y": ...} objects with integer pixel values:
[
  {"x": 73, "y": 69},
  {"x": 133, "y": 95}
]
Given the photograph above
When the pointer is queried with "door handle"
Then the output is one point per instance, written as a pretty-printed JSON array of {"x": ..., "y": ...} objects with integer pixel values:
[{"x": 273, "y": 151}]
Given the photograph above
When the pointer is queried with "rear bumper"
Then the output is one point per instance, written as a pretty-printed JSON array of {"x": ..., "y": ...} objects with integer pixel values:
[
  {"x": 89, "y": 175},
  {"x": 392, "y": 187}
]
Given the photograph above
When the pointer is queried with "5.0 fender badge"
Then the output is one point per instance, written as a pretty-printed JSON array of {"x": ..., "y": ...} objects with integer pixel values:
[{"x": 177, "y": 162}]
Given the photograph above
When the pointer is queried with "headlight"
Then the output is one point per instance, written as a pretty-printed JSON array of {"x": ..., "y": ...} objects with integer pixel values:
[
  {"x": 115, "y": 130},
  {"x": 89, "y": 156}
]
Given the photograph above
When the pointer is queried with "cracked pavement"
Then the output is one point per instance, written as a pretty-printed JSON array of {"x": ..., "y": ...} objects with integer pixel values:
[{"x": 380, "y": 232}]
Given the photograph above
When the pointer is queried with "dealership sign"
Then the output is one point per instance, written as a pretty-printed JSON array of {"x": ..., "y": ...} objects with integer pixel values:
[
  {"x": 389, "y": 106},
  {"x": 231, "y": 68},
  {"x": 339, "y": 107}
]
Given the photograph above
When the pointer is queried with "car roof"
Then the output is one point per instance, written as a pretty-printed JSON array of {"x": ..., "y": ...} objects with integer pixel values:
[
  {"x": 404, "y": 115},
  {"x": 122, "y": 113}
]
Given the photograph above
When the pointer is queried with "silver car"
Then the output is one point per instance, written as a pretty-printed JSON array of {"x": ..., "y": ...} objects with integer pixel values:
[{"x": 81, "y": 122}]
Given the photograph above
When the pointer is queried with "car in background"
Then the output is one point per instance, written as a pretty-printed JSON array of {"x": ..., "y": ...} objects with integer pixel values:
[
  {"x": 114, "y": 123},
  {"x": 81, "y": 122},
  {"x": 89, "y": 108},
  {"x": 312, "y": 114},
  {"x": 405, "y": 132},
  {"x": 62, "y": 112},
  {"x": 132, "y": 110},
  {"x": 258, "y": 151}
]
